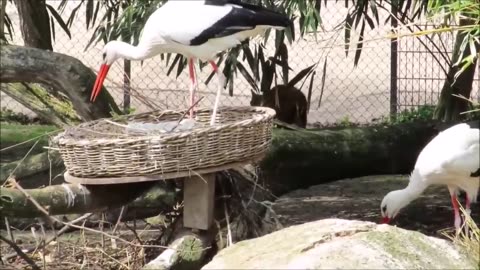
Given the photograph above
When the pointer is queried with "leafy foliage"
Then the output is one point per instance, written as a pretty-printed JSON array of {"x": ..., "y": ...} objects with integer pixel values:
[
  {"x": 451, "y": 11},
  {"x": 263, "y": 70},
  {"x": 55, "y": 18}
]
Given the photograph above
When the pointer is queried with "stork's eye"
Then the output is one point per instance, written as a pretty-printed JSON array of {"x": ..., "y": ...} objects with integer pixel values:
[
  {"x": 104, "y": 55},
  {"x": 384, "y": 209}
]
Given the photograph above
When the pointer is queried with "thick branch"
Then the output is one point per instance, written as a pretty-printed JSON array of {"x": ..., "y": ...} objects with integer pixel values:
[
  {"x": 31, "y": 165},
  {"x": 47, "y": 107},
  {"x": 298, "y": 159},
  {"x": 61, "y": 72},
  {"x": 69, "y": 199}
]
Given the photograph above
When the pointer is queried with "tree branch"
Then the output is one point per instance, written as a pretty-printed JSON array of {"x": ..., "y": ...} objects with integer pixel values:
[
  {"x": 58, "y": 112},
  {"x": 69, "y": 199},
  {"x": 61, "y": 72},
  {"x": 20, "y": 253},
  {"x": 30, "y": 165}
]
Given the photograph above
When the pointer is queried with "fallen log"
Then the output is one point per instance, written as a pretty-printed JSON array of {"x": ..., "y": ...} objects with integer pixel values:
[
  {"x": 31, "y": 165},
  {"x": 57, "y": 111},
  {"x": 299, "y": 159},
  {"x": 71, "y": 199}
]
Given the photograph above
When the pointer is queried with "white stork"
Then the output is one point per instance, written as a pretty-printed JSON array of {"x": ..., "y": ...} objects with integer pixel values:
[
  {"x": 452, "y": 158},
  {"x": 197, "y": 29}
]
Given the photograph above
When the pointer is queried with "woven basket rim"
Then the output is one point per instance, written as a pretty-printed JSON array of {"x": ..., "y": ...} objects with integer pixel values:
[{"x": 264, "y": 112}]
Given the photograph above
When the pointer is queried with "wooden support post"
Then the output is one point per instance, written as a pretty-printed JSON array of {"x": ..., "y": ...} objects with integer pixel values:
[{"x": 198, "y": 196}]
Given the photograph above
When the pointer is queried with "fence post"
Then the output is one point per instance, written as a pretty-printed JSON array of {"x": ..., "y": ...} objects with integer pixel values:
[
  {"x": 126, "y": 85},
  {"x": 394, "y": 63}
]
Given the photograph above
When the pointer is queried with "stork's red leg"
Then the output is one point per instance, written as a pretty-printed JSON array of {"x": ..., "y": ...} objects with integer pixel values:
[
  {"x": 456, "y": 210},
  {"x": 467, "y": 204},
  {"x": 221, "y": 83},
  {"x": 193, "y": 85},
  {"x": 467, "y": 211}
]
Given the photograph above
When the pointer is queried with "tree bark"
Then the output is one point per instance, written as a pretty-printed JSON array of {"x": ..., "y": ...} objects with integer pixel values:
[
  {"x": 35, "y": 23},
  {"x": 299, "y": 159},
  {"x": 62, "y": 73},
  {"x": 2, "y": 20},
  {"x": 449, "y": 107},
  {"x": 57, "y": 112},
  {"x": 30, "y": 166},
  {"x": 72, "y": 199}
]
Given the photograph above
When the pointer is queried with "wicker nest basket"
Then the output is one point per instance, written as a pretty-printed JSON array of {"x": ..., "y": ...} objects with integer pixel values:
[{"x": 111, "y": 148}]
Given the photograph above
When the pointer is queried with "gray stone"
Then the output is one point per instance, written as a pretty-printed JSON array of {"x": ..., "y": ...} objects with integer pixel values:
[{"x": 343, "y": 244}]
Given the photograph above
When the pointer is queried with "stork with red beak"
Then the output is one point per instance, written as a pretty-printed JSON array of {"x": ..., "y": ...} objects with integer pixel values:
[
  {"x": 197, "y": 29},
  {"x": 452, "y": 158}
]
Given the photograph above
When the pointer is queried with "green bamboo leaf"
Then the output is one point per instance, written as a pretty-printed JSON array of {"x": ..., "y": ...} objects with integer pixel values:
[
  {"x": 52, "y": 28},
  {"x": 302, "y": 74},
  {"x": 181, "y": 65},
  {"x": 369, "y": 21},
  {"x": 247, "y": 53},
  {"x": 310, "y": 90},
  {"x": 283, "y": 53},
  {"x": 95, "y": 14},
  {"x": 89, "y": 12},
  {"x": 247, "y": 76},
  {"x": 59, "y": 20},
  {"x": 175, "y": 61},
  {"x": 358, "y": 52},
  {"x": 348, "y": 28},
  {"x": 322, "y": 84},
  {"x": 71, "y": 18},
  {"x": 373, "y": 8}
]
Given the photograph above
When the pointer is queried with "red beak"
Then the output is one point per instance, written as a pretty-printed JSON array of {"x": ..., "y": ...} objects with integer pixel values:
[
  {"x": 99, "y": 81},
  {"x": 385, "y": 220}
]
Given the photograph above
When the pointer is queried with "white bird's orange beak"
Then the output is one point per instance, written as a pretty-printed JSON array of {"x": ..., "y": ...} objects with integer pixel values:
[
  {"x": 97, "y": 87},
  {"x": 385, "y": 220}
]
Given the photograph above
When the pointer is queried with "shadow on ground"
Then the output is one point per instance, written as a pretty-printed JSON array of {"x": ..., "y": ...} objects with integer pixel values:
[{"x": 360, "y": 199}]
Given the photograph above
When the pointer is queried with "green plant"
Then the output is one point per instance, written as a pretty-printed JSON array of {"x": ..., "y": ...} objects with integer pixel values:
[
  {"x": 420, "y": 113},
  {"x": 263, "y": 70}
]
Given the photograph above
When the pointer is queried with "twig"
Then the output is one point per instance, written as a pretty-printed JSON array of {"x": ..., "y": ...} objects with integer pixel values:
[
  {"x": 185, "y": 113},
  {"x": 9, "y": 232},
  {"x": 60, "y": 232},
  {"x": 113, "y": 259},
  {"x": 134, "y": 231},
  {"x": 21, "y": 161},
  {"x": 29, "y": 140},
  {"x": 20, "y": 253},
  {"x": 114, "y": 244},
  {"x": 34, "y": 202}
]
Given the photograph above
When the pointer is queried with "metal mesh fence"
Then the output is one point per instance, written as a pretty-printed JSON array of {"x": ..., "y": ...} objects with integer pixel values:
[
  {"x": 422, "y": 66},
  {"x": 357, "y": 94}
]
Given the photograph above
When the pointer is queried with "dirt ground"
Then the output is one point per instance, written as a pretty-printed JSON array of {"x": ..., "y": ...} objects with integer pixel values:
[
  {"x": 357, "y": 198},
  {"x": 360, "y": 199}
]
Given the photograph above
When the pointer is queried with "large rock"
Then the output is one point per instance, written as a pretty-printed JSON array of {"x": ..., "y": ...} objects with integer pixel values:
[{"x": 342, "y": 244}]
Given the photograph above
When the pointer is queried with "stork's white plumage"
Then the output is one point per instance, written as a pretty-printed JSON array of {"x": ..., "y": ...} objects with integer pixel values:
[
  {"x": 197, "y": 29},
  {"x": 452, "y": 158}
]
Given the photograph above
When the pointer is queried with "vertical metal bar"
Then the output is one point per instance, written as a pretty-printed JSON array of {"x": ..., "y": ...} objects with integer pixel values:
[
  {"x": 126, "y": 85},
  {"x": 393, "y": 63}
]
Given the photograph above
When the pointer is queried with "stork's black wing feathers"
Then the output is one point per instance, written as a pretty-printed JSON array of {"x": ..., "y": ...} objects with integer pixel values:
[{"x": 242, "y": 18}]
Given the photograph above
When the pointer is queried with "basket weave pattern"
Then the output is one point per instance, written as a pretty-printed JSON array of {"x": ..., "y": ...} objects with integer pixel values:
[{"x": 105, "y": 148}]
